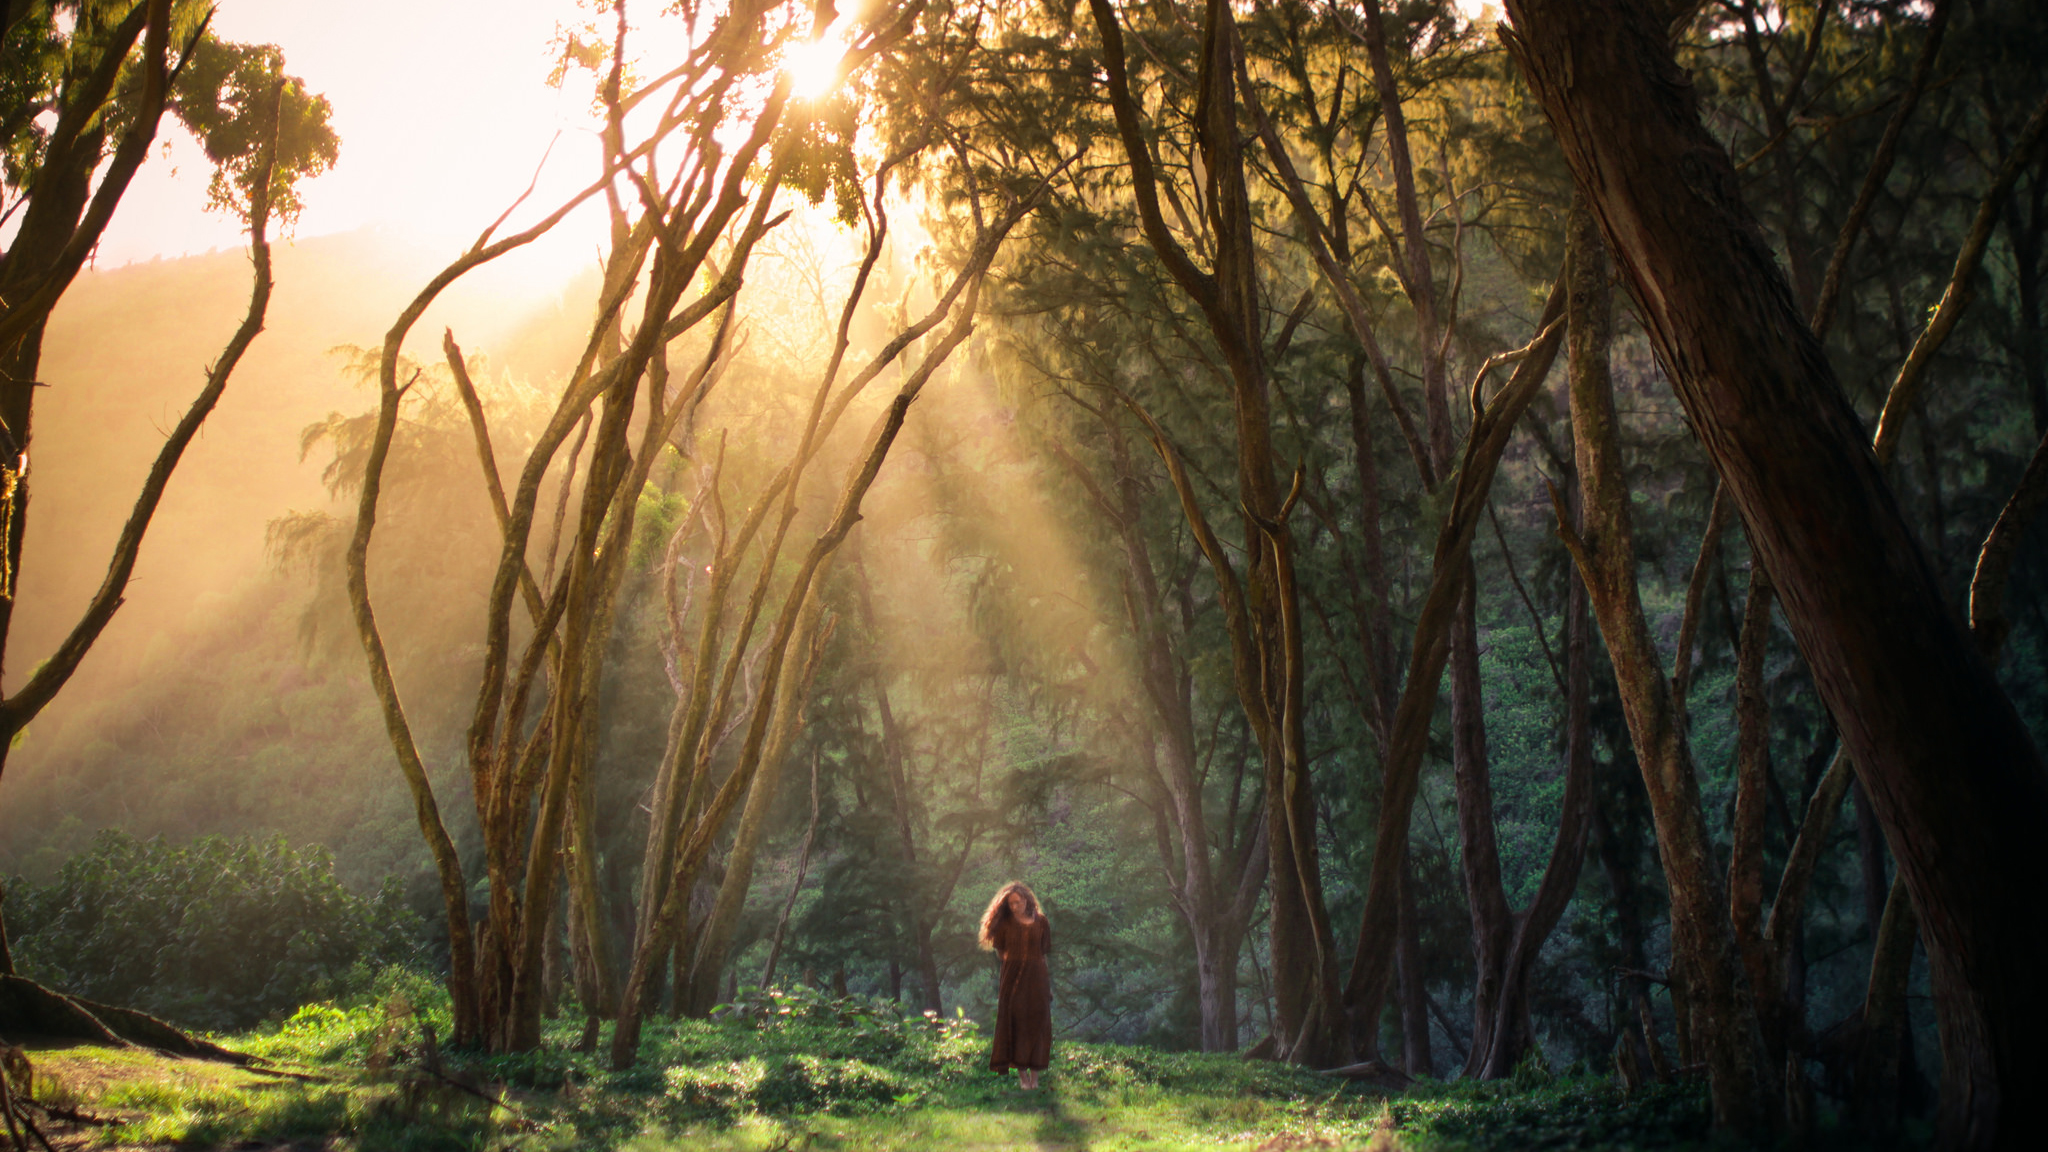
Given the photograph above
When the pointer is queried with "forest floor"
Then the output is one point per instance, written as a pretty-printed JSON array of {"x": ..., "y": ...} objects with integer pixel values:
[{"x": 802, "y": 1077}]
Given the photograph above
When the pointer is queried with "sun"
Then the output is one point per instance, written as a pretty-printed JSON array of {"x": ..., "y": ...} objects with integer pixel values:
[{"x": 813, "y": 65}]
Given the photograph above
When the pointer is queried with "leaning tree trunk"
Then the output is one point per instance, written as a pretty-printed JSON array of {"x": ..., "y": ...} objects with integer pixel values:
[
  {"x": 1703, "y": 948},
  {"x": 1936, "y": 743}
]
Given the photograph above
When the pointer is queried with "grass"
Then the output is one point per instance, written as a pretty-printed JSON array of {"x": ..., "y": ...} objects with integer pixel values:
[{"x": 800, "y": 1072}]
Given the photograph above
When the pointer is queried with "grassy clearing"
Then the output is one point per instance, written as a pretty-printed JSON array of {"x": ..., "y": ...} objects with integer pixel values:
[{"x": 802, "y": 1073}]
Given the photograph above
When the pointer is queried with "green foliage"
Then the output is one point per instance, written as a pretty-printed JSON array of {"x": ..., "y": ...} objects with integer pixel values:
[
  {"x": 229, "y": 95},
  {"x": 791, "y": 1084},
  {"x": 784, "y": 1068},
  {"x": 1565, "y": 1113},
  {"x": 215, "y": 934}
]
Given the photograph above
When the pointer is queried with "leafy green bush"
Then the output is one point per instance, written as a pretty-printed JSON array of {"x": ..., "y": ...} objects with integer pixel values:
[
  {"x": 798, "y": 1051},
  {"x": 216, "y": 934},
  {"x": 362, "y": 1028},
  {"x": 789, "y": 1084},
  {"x": 1590, "y": 1113},
  {"x": 801, "y": 1019}
]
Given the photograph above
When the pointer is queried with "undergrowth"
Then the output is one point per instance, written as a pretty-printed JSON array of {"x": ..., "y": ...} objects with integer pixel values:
[{"x": 800, "y": 1070}]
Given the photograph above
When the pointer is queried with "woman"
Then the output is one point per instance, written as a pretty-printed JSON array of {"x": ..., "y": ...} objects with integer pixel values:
[{"x": 1017, "y": 931}]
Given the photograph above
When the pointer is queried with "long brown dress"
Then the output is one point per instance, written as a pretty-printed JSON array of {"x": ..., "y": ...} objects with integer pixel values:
[{"x": 1023, "y": 996}]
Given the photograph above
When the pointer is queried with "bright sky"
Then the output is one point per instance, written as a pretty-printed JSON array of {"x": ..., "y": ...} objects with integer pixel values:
[{"x": 443, "y": 113}]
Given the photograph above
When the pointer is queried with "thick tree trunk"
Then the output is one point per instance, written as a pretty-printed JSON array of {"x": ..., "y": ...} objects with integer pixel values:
[
  {"x": 1937, "y": 745},
  {"x": 1216, "y": 985},
  {"x": 1703, "y": 950}
]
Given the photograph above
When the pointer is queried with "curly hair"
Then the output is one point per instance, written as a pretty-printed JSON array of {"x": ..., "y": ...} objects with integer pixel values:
[{"x": 999, "y": 911}]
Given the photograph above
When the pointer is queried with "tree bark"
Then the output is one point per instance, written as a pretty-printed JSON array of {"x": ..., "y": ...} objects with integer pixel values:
[
  {"x": 1479, "y": 850},
  {"x": 1262, "y": 606},
  {"x": 1746, "y": 832},
  {"x": 1703, "y": 951},
  {"x": 1935, "y": 742},
  {"x": 714, "y": 940}
]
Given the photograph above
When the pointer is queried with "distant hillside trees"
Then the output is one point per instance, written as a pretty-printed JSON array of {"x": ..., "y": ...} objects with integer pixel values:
[
  {"x": 217, "y": 934},
  {"x": 84, "y": 86}
]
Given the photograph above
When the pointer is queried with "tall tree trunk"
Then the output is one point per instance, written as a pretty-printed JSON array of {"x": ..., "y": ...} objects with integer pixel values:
[
  {"x": 1937, "y": 745},
  {"x": 1702, "y": 947},
  {"x": 1262, "y": 606},
  {"x": 1746, "y": 852},
  {"x": 1479, "y": 851},
  {"x": 714, "y": 940}
]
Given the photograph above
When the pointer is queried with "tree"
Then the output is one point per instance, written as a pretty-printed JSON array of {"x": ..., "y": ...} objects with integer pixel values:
[
  {"x": 98, "y": 65},
  {"x": 704, "y": 214},
  {"x": 1936, "y": 744}
]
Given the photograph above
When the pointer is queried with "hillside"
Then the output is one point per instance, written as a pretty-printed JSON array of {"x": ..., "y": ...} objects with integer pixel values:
[{"x": 160, "y": 731}]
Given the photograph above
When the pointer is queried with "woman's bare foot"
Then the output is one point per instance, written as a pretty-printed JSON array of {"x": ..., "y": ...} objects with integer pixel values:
[{"x": 1027, "y": 1079}]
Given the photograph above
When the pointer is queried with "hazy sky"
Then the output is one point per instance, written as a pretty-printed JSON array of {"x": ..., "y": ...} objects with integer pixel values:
[
  {"x": 441, "y": 105},
  {"x": 443, "y": 111}
]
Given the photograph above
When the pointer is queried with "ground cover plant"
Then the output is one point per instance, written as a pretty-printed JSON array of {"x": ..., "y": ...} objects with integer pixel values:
[{"x": 799, "y": 1068}]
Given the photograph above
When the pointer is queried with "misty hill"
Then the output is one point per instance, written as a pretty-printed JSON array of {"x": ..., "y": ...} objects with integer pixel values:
[{"x": 202, "y": 709}]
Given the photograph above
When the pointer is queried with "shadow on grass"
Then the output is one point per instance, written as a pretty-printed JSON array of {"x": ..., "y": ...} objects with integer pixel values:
[{"x": 1058, "y": 1128}]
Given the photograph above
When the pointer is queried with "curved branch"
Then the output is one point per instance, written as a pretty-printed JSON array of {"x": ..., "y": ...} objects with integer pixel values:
[
  {"x": 51, "y": 676},
  {"x": 1912, "y": 378}
]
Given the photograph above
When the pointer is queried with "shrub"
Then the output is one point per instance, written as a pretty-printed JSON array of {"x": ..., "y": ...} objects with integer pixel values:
[
  {"x": 720, "y": 1091},
  {"x": 216, "y": 934},
  {"x": 799, "y": 1084}
]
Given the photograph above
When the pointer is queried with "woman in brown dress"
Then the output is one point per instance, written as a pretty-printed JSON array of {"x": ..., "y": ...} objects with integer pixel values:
[{"x": 1016, "y": 929}]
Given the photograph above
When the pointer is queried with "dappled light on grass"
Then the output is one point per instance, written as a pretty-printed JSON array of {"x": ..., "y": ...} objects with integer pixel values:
[{"x": 800, "y": 1068}]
